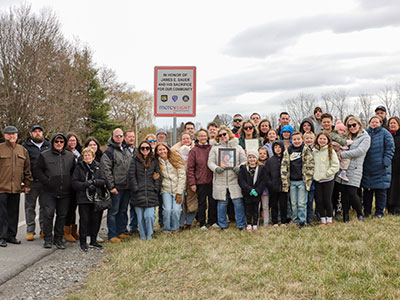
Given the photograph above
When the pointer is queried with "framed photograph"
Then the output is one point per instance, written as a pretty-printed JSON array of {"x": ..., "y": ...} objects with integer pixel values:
[
  {"x": 227, "y": 157},
  {"x": 251, "y": 144}
]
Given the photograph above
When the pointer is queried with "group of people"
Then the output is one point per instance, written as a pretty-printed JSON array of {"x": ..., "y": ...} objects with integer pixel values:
[{"x": 250, "y": 173}]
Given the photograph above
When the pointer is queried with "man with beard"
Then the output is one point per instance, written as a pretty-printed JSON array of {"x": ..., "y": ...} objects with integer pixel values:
[{"x": 35, "y": 144}]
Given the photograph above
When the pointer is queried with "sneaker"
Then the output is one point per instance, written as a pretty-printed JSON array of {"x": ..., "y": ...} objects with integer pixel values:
[
  {"x": 95, "y": 245},
  {"x": 275, "y": 225},
  {"x": 47, "y": 245},
  {"x": 203, "y": 228},
  {"x": 378, "y": 217},
  {"x": 30, "y": 236},
  {"x": 343, "y": 176},
  {"x": 249, "y": 228},
  {"x": 265, "y": 224},
  {"x": 84, "y": 247},
  {"x": 99, "y": 239},
  {"x": 59, "y": 245},
  {"x": 3, "y": 243},
  {"x": 360, "y": 218},
  {"x": 255, "y": 227},
  {"x": 215, "y": 225}
]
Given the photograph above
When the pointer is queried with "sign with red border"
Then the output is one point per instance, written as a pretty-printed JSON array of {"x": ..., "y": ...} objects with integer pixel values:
[{"x": 175, "y": 91}]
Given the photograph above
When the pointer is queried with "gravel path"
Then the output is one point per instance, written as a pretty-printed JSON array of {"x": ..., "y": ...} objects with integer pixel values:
[{"x": 54, "y": 275}]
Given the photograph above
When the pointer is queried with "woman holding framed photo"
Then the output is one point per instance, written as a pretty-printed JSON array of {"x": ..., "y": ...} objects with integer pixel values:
[{"x": 224, "y": 161}]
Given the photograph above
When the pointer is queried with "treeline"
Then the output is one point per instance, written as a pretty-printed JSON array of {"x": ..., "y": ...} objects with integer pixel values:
[{"x": 46, "y": 79}]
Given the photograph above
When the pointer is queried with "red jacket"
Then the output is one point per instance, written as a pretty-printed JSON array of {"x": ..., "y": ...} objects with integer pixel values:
[{"x": 197, "y": 169}]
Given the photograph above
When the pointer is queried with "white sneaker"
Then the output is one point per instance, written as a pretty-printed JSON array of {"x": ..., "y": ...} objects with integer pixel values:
[
  {"x": 255, "y": 228},
  {"x": 215, "y": 225},
  {"x": 99, "y": 239},
  {"x": 249, "y": 228},
  {"x": 204, "y": 228}
]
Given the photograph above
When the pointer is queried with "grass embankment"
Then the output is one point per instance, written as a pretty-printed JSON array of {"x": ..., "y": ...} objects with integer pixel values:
[{"x": 346, "y": 261}]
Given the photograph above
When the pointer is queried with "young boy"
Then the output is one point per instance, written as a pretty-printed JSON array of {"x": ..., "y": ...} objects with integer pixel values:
[
  {"x": 297, "y": 173},
  {"x": 286, "y": 135},
  {"x": 309, "y": 139}
]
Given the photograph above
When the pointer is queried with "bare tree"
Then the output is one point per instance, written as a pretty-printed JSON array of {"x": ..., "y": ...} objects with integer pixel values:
[
  {"x": 363, "y": 105},
  {"x": 300, "y": 107},
  {"x": 273, "y": 119},
  {"x": 336, "y": 103},
  {"x": 387, "y": 98},
  {"x": 225, "y": 119}
]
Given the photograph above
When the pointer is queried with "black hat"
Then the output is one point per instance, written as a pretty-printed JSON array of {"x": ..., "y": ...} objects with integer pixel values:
[
  {"x": 10, "y": 129},
  {"x": 36, "y": 127},
  {"x": 380, "y": 107}
]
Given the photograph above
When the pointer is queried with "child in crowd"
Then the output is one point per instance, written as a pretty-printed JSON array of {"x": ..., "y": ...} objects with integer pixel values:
[
  {"x": 277, "y": 198},
  {"x": 309, "y": 139},
  {"x": 297, "y": 172},
  {"x": 326, "y": 166},
  {"x": 340, "y": 128},
  {"x": 262, "y": 158},
  {"x": 271, "y": 136},
  {"x": 251, "y": 182},
  {"x": 286, "y": 135}
]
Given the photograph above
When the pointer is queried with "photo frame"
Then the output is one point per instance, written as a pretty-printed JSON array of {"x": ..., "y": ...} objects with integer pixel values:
[{"x": 227, "y": 158}]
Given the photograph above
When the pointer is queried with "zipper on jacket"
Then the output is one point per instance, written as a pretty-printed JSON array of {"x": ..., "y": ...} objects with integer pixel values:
[{"x": 145, "y": 186}]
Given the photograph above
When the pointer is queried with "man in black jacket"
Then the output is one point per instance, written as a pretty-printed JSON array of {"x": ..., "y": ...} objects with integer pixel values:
[
  {"x": 35, "y": 144},
  {"x": 54, "y": 170}
]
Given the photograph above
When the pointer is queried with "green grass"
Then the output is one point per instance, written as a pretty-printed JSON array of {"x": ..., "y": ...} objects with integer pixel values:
[{"x": 346, "y": 261}]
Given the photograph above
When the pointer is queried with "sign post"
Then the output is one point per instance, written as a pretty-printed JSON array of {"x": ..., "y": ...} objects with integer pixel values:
[{"x": 175, "y": 92}]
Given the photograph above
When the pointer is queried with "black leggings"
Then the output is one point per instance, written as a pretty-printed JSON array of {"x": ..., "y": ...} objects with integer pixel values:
[
  {"x": 278, "y": 199},
  {"x": 251, "y": 208},
  {"x": 89, "y": 222},
  {"x": 323, "y": 197},
  {"x": 350, "y": 196}
]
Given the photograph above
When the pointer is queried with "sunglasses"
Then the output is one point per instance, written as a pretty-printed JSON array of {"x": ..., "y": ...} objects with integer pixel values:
[
  {"x": 59, "y": 142},
  {"x": 248, "y": 127},
  {"x": 222, "y": 134},
  {"x": 145, "y": 148},
  {"x": 352, "y": 125},
  {"x": 152, "y": 141},
  {"x": 119, "y": 135},
  {"x": 237, "y": 120}
]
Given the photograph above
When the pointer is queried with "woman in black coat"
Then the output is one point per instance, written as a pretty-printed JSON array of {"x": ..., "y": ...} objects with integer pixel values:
[
  {"x": 87, "y": 176},
  {"x": 144, "y": 176},
  {"x": 394, "y": 190}
]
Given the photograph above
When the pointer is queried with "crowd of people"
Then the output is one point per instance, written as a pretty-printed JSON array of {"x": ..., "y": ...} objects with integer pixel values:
[{"x": 250, "y": 174}]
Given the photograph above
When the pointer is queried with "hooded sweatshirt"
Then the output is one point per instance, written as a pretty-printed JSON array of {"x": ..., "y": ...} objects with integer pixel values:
[
  {"x": 273, "y": 169},
  {"x": 309, "y": 121}
]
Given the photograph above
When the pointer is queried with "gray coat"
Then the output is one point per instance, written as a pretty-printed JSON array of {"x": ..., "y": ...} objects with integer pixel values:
[
  {"x": 357, "y": 152},
  {"x": 227, "y": 179}
]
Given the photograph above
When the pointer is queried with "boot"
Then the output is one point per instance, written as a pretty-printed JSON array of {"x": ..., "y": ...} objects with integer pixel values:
[
  {"x": 346, "y": 217},
  {"x": 74, "y": 232},
  {"x": 67, "y": 235}
]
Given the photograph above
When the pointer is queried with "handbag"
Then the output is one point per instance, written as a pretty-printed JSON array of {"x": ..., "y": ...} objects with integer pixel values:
[{"x": 102, "y": 199}]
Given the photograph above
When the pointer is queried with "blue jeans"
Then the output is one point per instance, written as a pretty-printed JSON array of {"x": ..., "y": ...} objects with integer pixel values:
[
  {"x": 171, "y": 212},
  {"x": 146, "y": 218},
  {"x": 188, "y": 217},
  {"x": 298, "y": 197},
  {"x": 380, "y": 201},
  {"x": 238, "y": 205},
  {"x": 117, "y": 216},
  {"x": 133, "y": 221}
]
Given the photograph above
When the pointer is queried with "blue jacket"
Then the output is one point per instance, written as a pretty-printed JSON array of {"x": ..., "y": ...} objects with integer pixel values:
[{"x": 377, "y": 169}]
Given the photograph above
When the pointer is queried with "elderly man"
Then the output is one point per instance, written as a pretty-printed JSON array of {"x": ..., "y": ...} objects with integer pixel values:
[{"x": 15, "y": 172}]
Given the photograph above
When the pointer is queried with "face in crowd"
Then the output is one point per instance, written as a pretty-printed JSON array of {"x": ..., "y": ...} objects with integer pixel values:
[
  {"x": 186, "y": 140},
  {"x": 72, "y": 142},
  {"x": 118, "y": 136},
  {"x": 202, "y": 137},
  {"x": 237, "y": 121},
  {"x": 284, "y": 119},
  {"x": 11, "y": 137},
  {"x": 189, "y": 128},
  {"x": 162, "y": 152},
  {"x": 37, "y": 135},
  {"x": 255, "y": 118},
  {"x": 145, "y": 149},
  {"x": 59, "y": 144},
  {"x": 130, "y": 138},
  {"x": 223, "y": 136},
  {"x": 327, "y": 124},
  {"x": 212, "y": 131}
]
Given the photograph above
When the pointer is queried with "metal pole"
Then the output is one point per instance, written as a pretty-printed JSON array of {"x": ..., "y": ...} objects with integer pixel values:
[
  {"x": 136, "y": 129},
  {"x": 174, "y": 132}
]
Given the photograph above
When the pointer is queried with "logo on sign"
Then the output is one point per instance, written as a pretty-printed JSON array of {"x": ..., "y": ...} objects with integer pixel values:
[
  {"x": 164, "y": 98},
  {"x": 175, "y": 98},
  {"x": 185, "y": 98}
]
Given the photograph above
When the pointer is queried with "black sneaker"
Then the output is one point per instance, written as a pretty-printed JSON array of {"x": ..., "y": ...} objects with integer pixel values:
[
  {"x": 3, "y": 243},
  {"x": 95, "y": 245},
  {"x": 84, "y": 247},
  {"x": 13, "y": 240},
  {"x": 59, "y": 245},
  {"x": 47, "y": 245}
]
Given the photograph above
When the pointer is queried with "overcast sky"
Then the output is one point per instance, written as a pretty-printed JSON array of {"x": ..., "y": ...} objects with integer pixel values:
[{"x": 250, "y": 55}]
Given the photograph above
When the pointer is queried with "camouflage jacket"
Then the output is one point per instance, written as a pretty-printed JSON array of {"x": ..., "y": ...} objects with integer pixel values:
[{"x": 307, "y": 169}]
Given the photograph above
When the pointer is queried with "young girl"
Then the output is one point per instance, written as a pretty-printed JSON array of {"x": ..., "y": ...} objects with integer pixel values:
[
  {"x": 326, "y": 166},
  {"x": 252, "y": 184},
  {"x": 262, "y": 158},
  {"x": 272, "y": 135}
]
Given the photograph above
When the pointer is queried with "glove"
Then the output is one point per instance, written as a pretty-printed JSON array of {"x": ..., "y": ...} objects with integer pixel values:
[
  {"x": 219, "y": 170},
  {"x": 91, "y": 188},
  {"x": 178, "y": 198},
  {"x": 254, "y": 193},
  {"x": 236, "y": 169}
]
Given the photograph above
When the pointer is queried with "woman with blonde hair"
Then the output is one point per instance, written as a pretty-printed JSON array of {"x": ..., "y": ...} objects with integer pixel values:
[{"x": 152, "y": 140}]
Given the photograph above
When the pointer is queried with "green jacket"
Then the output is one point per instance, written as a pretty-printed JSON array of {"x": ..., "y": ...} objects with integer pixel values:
[
  {"x": 308, "y": 169},
  {"x": 336, "y": 137}
]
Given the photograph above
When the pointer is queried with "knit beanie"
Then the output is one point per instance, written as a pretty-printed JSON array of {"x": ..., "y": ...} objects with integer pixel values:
[
  {"x": 340, "y": 125},
  {"x": 252, "y": 152}
]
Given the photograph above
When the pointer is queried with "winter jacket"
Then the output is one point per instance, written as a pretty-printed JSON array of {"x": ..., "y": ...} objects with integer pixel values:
[
  {"x": 227, "y": 179},
  {"x": 34, "y": 151},
  {"x": 356, "y": 153},
  {"x": 394, "y": 191},
  {"x": 247, "y": 183},
  {"x": 336, "y": 137},
  {"x": 81, "y": 177},
  {"x": 144, "y": 188},
  {"x": 54, "y": 169},
  {"x": 377, "y": 170},
  {"x": 15, "y": 168},
  {"x": 309, "y": 121},
  {"x": 273, "y": 170},
  {"x": 115, "y": 164},
  {"x": 197, "y": 169},
  {"x": 173, "y": 180},
  {"x": 324, "y": 168},
  {"x": 307, "y": 168}
]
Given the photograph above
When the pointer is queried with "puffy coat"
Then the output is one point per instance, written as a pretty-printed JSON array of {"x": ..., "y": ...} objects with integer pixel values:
[
  {"x": 247, "y": 183},
  {"x": 54, "y": 169},
  {"x": 34, "y": 151},
  {"x": 80, "y": 184},
  {"x": 15, "y": 168},
  {"x": 144, "y": 188},
  {"x": 197, "y": 169},
  {"x": 325, "y": 168},
  {"x": 273, "y": 169},
  {"x": 227, "y": 179},
  {"x": 378, "y": 162},
  {"x": 394, "y": 191},
  {"x": 356, "y": 153},
  {"x": 115, "y": 164},
  {"x": 173, "y": 180}
]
